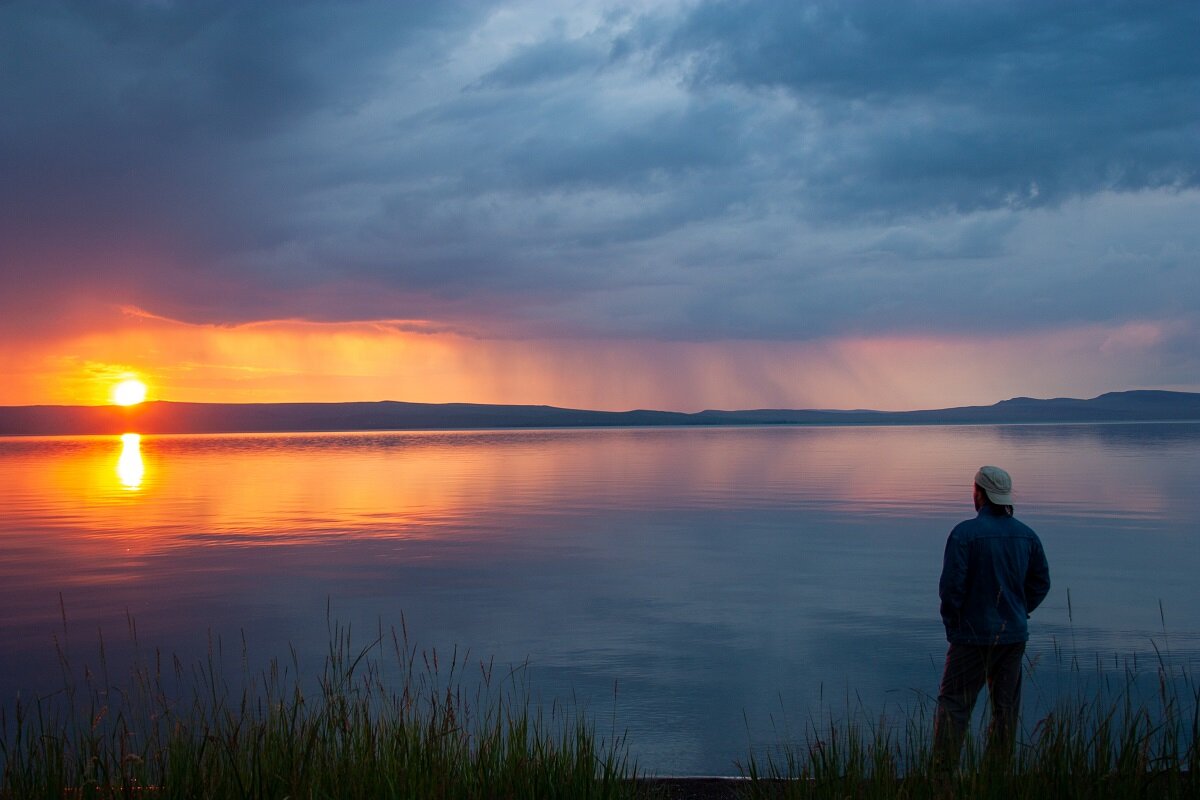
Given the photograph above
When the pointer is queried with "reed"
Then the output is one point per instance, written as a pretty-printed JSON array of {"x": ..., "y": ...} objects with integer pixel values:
[
  {"x": 386, "y": 720},
  {"x": 1106, "y": 737},
  {"x": 445, "y": 728}
]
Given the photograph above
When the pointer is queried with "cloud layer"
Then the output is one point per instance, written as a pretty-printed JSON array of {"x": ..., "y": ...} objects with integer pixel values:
[{"x": 677, "y": 172}]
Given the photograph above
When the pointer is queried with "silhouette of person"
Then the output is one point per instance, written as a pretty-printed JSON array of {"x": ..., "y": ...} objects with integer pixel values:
[{"x": 994, "y": 574}]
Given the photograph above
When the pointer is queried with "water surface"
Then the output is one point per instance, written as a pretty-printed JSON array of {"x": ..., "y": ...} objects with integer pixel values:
[{"x": 702, "y": 588}]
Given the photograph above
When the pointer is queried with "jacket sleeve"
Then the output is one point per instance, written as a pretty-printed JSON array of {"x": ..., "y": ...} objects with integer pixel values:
[
  {"x": 952, "y": 589},
  {"x": 1037, "y": 578}
]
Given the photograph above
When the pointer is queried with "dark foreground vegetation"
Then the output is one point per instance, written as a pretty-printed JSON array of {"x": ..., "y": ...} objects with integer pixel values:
[{"x": 385, "y": 721}]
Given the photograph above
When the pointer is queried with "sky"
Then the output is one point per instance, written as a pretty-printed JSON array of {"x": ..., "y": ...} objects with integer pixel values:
[{"x": 680, "y": 205}]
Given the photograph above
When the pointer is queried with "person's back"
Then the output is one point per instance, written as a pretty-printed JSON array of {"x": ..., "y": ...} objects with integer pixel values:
[{"x": 994, "y": 573}]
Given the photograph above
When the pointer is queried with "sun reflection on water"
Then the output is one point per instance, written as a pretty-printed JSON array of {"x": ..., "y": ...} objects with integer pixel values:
[{"x": 130, "y": 468}]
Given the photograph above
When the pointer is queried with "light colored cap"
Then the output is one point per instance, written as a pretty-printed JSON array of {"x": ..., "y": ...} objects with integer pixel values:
[{"x": 996, "y": 483}]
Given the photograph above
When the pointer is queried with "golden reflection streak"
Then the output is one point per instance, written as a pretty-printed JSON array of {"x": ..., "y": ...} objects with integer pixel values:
[
  {"x": 130, "y": 468},
  {"x": 294, "y": 489}
]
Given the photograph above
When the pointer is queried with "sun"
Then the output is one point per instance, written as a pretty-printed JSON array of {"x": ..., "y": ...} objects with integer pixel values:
[{"x": 129, "y": 392}]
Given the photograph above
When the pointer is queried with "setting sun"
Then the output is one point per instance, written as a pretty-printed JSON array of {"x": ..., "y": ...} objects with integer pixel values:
[{"x": 129, "y": 392}]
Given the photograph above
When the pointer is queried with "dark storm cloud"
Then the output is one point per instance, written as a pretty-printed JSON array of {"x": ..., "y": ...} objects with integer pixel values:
[
  {"x": 948, "y": 105},
  {"x": 141, "y": 132},
  {"x": 695, "y": 171}
]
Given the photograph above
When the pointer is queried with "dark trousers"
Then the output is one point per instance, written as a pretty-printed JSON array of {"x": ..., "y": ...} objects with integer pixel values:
[{"x": 968, "y": 667}]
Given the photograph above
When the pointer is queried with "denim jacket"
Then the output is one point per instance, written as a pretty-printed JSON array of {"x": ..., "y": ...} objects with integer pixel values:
[{"x": 993, "y": 575}]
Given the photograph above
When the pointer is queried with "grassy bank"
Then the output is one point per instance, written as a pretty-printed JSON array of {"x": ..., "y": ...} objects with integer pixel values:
[
  {"x": 1106, "y": 736},
  {"x": 385, "y": 720},
  {"x": 1081, "y": 752},
  {"x": 447, "y": 728}
]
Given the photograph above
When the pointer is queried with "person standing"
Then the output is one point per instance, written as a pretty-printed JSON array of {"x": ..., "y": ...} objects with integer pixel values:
[{"x": 994, "y": 574}]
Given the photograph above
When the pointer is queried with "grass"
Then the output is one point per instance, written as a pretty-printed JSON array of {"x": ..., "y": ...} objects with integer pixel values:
[
  {"x": 1105, "y": 738},
  {"x": 385, "y": 720},
  {"x": 360, "y": 735},
  {"x": 1092, "y": 751}
]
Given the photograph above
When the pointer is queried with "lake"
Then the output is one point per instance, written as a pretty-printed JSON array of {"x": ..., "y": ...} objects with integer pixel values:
[{"x": 704, "y": 589}]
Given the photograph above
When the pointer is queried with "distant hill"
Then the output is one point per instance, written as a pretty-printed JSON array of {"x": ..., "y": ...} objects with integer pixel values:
[{"x": 168, "y": 417}]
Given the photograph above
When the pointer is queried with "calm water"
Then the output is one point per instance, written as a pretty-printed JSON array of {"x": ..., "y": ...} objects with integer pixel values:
[{"x": 708, "y": 588}]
